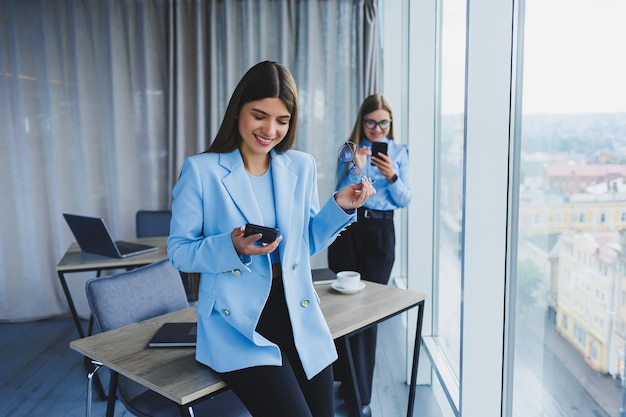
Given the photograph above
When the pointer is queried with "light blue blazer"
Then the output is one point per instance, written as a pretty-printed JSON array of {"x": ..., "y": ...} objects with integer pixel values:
[{"x": 211, "y": 198}]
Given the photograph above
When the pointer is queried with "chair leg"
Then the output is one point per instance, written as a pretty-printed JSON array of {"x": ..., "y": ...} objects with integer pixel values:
[
  {"x": 90, "y": 375},
  {"x": 97, "y": 383}
]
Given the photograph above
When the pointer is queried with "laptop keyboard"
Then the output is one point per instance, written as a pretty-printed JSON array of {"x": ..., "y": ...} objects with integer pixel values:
[{"x": 129, "y": 247}]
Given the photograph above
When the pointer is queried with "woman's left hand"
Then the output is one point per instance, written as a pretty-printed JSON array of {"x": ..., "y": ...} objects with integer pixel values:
[
  {"x": 353, "y": 196},
  {"x": 360, "y": 156}
]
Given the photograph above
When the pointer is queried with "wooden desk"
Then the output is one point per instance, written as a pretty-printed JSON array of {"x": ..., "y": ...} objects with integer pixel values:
[
  {"x": 175, "y": 374},
  {"x": 75, "y": 260}
]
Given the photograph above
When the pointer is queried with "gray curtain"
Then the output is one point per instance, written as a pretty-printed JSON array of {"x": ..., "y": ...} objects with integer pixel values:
[
  {"x": 82, "y": 122},
  {"x": 331, "y": 47},
  {"x": 100, "y": 102}
]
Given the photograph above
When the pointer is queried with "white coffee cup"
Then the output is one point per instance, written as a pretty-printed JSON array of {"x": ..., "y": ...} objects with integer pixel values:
[{"x": 349, "y": 280}]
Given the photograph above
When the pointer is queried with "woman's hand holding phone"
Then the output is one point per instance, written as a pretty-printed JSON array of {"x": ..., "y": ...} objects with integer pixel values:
[
  {"x": 378, "y": 148},
  {"x": 381, "y": 160},
  {"x": 246, "y": 242},
  {"x": 268, "y": 234}
]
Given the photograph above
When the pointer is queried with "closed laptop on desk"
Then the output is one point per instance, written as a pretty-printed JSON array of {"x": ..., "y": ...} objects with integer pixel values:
[
  {"x": 92, "y": 235},
  {"x": 175, "y": 335}
]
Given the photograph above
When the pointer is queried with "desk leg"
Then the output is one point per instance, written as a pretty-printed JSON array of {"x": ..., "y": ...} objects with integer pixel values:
[
  {"x": 112, "y": 394},
  {"x": 416, "y": 355},
  {"x": 184, "y": 411},
  {"x": 70, "y": 302},
  {"x": 355, "y": 382},
  {"x": 79, "y": 328}
]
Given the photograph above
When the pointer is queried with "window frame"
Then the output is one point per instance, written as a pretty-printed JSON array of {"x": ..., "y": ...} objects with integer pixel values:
[{"x": 491, "y": 71}]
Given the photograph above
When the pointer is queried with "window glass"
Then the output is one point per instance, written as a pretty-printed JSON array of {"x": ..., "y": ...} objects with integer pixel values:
[
  {"x": 449, "y": 179},
  {"x": 570, "y": 281}
]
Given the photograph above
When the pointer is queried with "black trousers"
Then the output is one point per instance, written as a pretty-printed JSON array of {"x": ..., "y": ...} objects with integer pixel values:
[
  {"x": 366, "y": 246},
  {"x": 282, "y": 391}
]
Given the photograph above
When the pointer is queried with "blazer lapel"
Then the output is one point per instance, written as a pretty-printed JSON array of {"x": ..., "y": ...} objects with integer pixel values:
[
  {"x": 285, "y": 182},
  {"x": 238, "y": 186}
]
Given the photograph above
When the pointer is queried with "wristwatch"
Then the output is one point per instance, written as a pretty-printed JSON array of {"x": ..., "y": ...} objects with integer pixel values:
[{"x": 393, "y": 179}]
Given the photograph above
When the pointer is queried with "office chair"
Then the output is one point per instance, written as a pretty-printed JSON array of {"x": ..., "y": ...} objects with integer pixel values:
[
  {"x": 156, "y": 223},
  {"x": 153, "y": 223},
  {"x": 137, "y": 295}
]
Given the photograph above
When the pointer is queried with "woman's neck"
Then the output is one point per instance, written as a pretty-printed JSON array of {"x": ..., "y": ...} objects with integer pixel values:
[{"x": 256, "y": 164}]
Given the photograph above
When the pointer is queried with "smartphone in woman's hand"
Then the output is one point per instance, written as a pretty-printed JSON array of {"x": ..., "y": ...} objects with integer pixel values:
[
  {"x": 268, "y": 234},
  {"x": 378, "y": 147}
]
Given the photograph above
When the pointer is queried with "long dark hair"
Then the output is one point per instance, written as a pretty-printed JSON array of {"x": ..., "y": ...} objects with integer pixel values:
[{"x": 266, "y": 79}]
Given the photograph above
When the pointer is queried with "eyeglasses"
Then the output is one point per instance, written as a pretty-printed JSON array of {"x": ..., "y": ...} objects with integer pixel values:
[
  {"x": 346, "y": 155},
  {"x": 371, "y": 124}
]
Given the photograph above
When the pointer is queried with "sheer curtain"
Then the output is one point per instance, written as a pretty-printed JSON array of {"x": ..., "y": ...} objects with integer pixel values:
[
  {"x": 331, "y": 47},
  {"x": 101, "y": 101},
  {"x": 82, "y": 114}
]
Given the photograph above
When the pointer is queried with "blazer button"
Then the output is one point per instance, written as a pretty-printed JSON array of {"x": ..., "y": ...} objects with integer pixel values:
[
  {"x": 225, "y": 312},
  {"x": 295, "y": 266},
  {"x": 305, "y": 303},
  {"x": 236, "y": 272}
]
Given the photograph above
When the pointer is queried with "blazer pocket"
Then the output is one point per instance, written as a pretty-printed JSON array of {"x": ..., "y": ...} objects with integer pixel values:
[{"x": 205, "y": 306}]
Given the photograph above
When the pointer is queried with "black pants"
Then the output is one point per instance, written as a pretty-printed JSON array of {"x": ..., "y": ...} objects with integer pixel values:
[
  {"x": 366, "y": 246},
  {"x": 282, "y": 391}
]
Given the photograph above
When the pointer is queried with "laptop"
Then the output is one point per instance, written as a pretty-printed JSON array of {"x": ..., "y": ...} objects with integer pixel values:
[
  {"x": 323, "y": 276},
  {"x": 93, "y": 236},
  {"x": 175, "y": 335}
]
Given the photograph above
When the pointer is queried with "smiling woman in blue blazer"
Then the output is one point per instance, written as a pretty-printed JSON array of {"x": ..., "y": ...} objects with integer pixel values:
[{"x": 259, "y": 321}]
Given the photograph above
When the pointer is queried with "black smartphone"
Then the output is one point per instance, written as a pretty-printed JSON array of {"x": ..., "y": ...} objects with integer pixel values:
[
  {"x": 268, "y": 234},
  {"x": 378, "y": 147}
]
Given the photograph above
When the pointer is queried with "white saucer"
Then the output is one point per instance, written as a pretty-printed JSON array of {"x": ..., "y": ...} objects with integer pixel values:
[{"x": 335, "y": 286}]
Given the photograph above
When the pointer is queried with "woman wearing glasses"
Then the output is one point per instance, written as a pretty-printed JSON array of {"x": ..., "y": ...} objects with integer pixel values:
[
  {"x": 260, "y": 325},
  {"x": 368, "y": 246}
]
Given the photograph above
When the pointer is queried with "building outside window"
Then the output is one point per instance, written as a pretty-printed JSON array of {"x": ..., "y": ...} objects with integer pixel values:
[
  {"x": 564, "y": 308},
  {"x": 574, "y": 110}
]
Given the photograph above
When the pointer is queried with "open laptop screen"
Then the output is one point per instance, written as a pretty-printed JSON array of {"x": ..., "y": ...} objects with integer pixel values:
[{"x": 93, "y": 236}]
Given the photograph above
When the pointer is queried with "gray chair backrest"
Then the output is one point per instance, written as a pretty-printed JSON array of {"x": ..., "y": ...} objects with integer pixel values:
[
  {"x": 129, "y": 297},
  {"x": 153, "y": 223},
  {"x": 140, "y": 294}
]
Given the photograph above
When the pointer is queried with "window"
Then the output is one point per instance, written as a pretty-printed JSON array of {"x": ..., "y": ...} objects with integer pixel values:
[
  {"x": 563, "y": 68},
  {"x": 449, "y": 180},
  {"x": 572, "y": 101}
]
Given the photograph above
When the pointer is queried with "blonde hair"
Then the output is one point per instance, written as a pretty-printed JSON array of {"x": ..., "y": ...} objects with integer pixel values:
[{"x": 369, "y": 105}]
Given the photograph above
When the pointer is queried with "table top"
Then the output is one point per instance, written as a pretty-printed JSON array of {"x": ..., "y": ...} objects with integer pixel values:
[
  {"x": 75, "y": 260},
  {"x": 347, "y": 313},
  {"x": 125, "y": 350}
]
